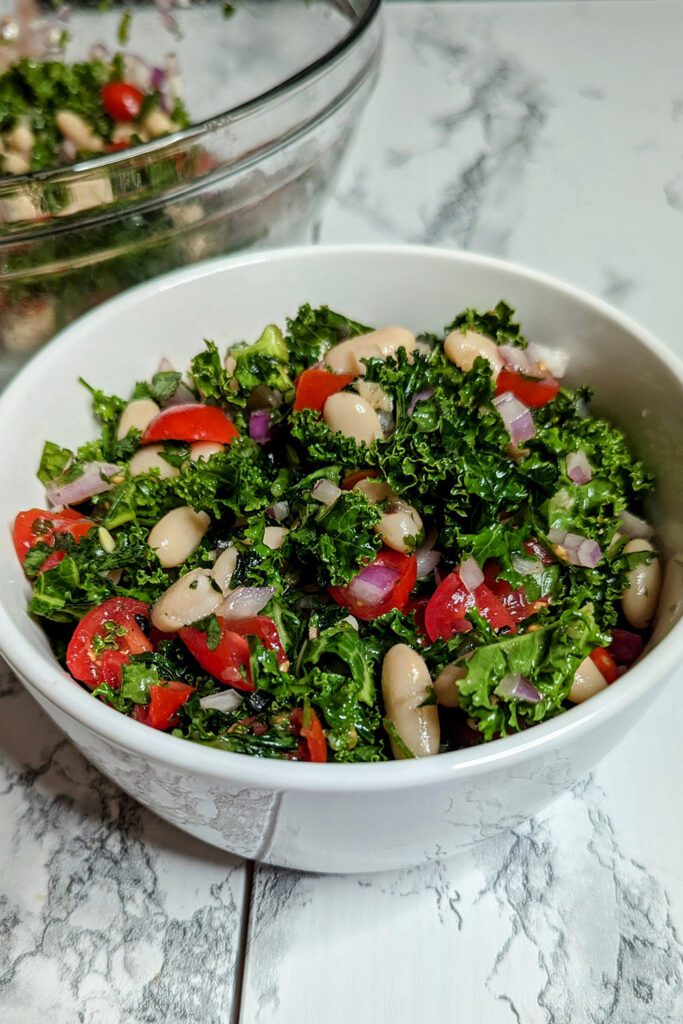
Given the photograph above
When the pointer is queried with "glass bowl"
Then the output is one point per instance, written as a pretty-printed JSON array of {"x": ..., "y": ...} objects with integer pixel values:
[{"x": 277, "y": 89}]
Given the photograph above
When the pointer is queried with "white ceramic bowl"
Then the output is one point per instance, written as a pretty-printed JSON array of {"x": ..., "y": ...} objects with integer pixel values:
[{"x": 338, "y": 817}]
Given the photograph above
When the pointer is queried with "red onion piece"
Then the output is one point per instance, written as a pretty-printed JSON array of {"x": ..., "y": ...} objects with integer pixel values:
[
  {"x": 470, "y": 574},
  {"x": 552, "y": 360},
  {"x": 165, "y": 365},
  {"x": 137, "y": 71},
  {"x": 517, "y": 418},
  {"x": 100, "y": 52},
  {"x": 325, "y": 492},
  {"x": 158, "y": 78},
  {"x": 626, "y": 646},
  {"x": 579, "y": 469},
  {"x": 373, "y": 584},
  {"x": 427, "y": 561},
  {"x": 259, "y": 426},
  {"x": 527, "y": 566},
  {"x": 245, "y": 602},
  {"x": 420, "y": 396},
  {"x": 227, "y": 701},
  {"x": 515, "y": 358},
  {"x": 93, "y": 480},
  {"x": 278, "y": 511},
  {"x": 634, "y": 526},
  {"x": 518, "y": 687},
  {"x": 580, "y": 550}
]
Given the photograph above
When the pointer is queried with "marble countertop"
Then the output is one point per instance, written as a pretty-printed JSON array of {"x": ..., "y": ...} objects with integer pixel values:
[{"x": 552, "y": 134}]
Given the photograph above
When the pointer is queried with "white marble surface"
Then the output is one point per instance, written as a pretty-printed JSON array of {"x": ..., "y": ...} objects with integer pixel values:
[{"x": 550, "y": 133}]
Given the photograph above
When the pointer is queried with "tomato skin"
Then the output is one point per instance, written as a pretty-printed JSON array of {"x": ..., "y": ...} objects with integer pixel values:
[
  {"x": 405, "y": 566},
  {"x": 92, "y": 668},
  {"x": 514, "y": 601},
  {"x": 534, "y": 548},
  {"x": 122, "y": 101},
  {"x": 192, "y": 422},
  {"x": 605, "y": 664},
  {"x": 418, "y": 606},
  {"x": 533, "y": 392},
  {"x": 164, "y": 701},
  {"x": 226, "y": 661},
  {"x": 37, "y": 525},
  {"x": 262, "y": 627},
  {"x": 306, "y": 723},
  {"x": 451, "y": 601},
  {"x": 315, "y": 386}
]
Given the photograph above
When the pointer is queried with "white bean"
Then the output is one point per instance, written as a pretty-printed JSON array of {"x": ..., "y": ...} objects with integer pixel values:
[
  {"x": 150, "y": 457},
  {"x": 177, "y": 534},
  {"x": 374, "y": 490},
  {"x": 640, "y": 596},
  {"x": 445, "y": 685},
  {"x": 137, "y": 416},
  {"x": 22, "y": 138},
  {"x": 123, "y": 132},
  {"x": 158, "y": 123},
  {"x": 194, "y": 596},
  {"x": 15, "y": 163},
  {"x": 78, "y": 131},
  {"x": 463, "y": 347},
  {"x": 588, "y": 680},
  {"x": 203, "y": 450},
  {"x": 350, "y": 415},
  {"x": 373, "y": 394},
  {"x": 274, "y": 537},
  {"x": 399, "y": 522},
  {"x": 224, "y": 568},
  {"x": 381, "y": 344},
  {"x": 405, "y": 685}
]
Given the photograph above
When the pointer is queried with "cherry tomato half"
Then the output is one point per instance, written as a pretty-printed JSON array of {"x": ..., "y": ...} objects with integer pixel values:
[
  {"x": 105, "y": 639},
  {"x": 532, "y": 391},
  {"x": 315, "y": 386},
  {"x": 605, "y": 664},
  {"x": 405, "y": 568},
  {"x": 122, "y": 101},
  {"x": 192, "y": 422},
  {"x": 229, "y": 661},
  {"x": 450, "y": 603},
  {"x": 514, "y": 600},
  {"x": 306, "y": 724},
  {"x": 38, "y": 525},
  {"x": 164, "y": 701}
]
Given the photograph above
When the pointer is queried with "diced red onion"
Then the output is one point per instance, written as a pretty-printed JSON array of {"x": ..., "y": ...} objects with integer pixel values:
[
  {"x": 554, "y": 360},
  {"x": 579, "y": 468},
  {"x": 259, "y": 426},
  {"x": 515, "y": 358},
  {"x": 634, "y": 526},
  {"x": 421, "y": 396},
  {"x": 470, "y": 574},
  {"x": 278, "y": 511},
  {"x": 227, "y": 701},
  {"x": 181, "y": 396},
  {"x": 626, "y": 646},
  {"x": 245, "y": 602},
  {"x": 518, "y": 687},
  {"x": 100, "y": 52},
  {"x": 517, "y": 418},
  {"x": 137, "y": 71},
  {"x": 325, "y": 492},
  {"x": 527, "y": 566},
  {"x": 580, "y": 550},
  {"x": 68, "y": 151},
  {"x": 93, "y": 480},
  {"x": 373, "y": 584},
  {"x": 165, "y": 365},
  {"x": 158, "y": 78},
  {"x": 426, "y": 561}
]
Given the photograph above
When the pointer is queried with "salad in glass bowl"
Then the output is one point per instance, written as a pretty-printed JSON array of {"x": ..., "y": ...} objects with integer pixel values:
[{"x": 340, "y": 543}]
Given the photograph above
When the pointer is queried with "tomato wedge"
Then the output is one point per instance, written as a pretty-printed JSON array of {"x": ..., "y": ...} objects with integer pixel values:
[
  {"x": 401, "y": 576},
  {"x": 306, "y": 724},
  {"x": 164, "y": 701},
  {"x": 192, "y": 422},
  {"x": 122, "y": 101},
  {"x": 315, "y": 386},
  {"x": 229, "y": 661},
  {"x": 605, "y": 663},
  {"x": 514, "y": 600},
  {"x": 450, "y": 603},
  {"x": 534, "y": 392},
  {"x": 37, "y": 524},
  {"x": 105, "y": 639},
  {"x": 262, "y": 627}
]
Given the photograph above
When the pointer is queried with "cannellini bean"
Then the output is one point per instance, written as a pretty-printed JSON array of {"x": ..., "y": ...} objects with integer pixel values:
[
  {"x": 463, "y": 347},
  {"x": 150, "y": 457},
  {"x": 374, "y": 490},
  {"x": 405, "y": 685},
  {"x": 14, "y": 162},
  {"x": 22, "y": 138},
  {"x": 373, "y": 394},
  {"x": 399, "y": 522},
  {"x": 445, "y": 685},
  {"x": 74, "y": 128},
  {"x": 224, "y": 568},
  {"x": 381, "y": 344},
  {"x": 177, "y": 534},
  {"x": 158, "y": 123},
  {"x": 203, "y": 450},
  {"x": 274, "y": 537},
  {"x": 194, "y": 596},
  {"x": 350, "y": 415},
  {"x": 137, "y": 416},
  {"x": 640, "y": 596},
  {"x": 588, "y": 680},
  {"x": 123, "y": 132}
]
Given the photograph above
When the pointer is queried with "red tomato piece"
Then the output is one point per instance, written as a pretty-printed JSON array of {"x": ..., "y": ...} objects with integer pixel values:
[
  {"x": 494, "y": 611},
  {"x": 514, "y": 600},
  {"x": 450, "y": 603},
  {"x": 122, "y": 101},
  {"x": 190, "y": 423},
  {"x": 405, "y": 567},
  {"x": 532, "y": 391},
  {"x": 52, "y": 560},
  {"x": 605, "y": 664},
  {"x": 228, "y": 662},
  {"x": 164, "y": 701},
  {"x": 38, "y": 525},
  {"x": 105, "y": 639},
  {"x": 418, "y": 606},
  {"x": 306, "y": 724},
  {"x": 116, "y": 147},
  {"x": 534, "y": 548},
  {"x": 262, "y": 627},
  {"x": 315, "y": 386}
]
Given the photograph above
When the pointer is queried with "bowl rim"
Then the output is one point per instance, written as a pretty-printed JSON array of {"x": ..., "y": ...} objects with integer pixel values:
[
  {"x": 63, "y": 174},
  {"x": 42, "y": 673}
]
